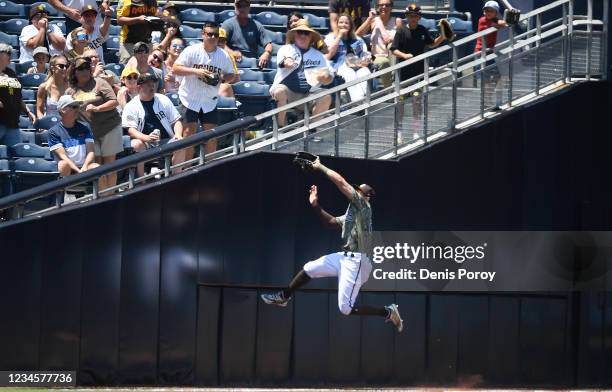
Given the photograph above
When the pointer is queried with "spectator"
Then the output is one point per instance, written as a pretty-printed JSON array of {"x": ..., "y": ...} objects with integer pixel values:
[
  {"x": 299, "y": 65},
  {"x": 41, "y": 58},
  {"x": 292, "y": 19},
  {"x": 135, "y": 28},
  {"x": 99, "y": 110},
  {"x": 157, "y": 60},
  {"x": 349, "y": 56},
  {"x": 71, "y": 141},
  {"x": 357, "y": 9},
  {"x": 411, "y": 40},
  {"x": 72, "y": 9},
  {"x": 176, "y": 48},
  {"x": 382, "y": 26},
  {"x": 40, "y": 33},
  {"x": 226, "y": 90},
  {"x": 245, "y": 35},
  {"x": 202, "y": 68},
  {"x": 79, "y": 42},
  {"x": 129, "y": 88},
  {"x": 147, "y": 112},
  {"x": 171, "y": 30},
  {"x": 140, "y": 61},
  {"x": 492, "y": 76},
  {"x": 53, "y": 88},
  {"x": 11, "y": 103},
  {"x": 96, "y": 33},
  {"x": 98, "y": 69}
]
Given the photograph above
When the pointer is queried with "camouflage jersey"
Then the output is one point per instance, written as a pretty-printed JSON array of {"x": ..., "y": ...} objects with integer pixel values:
[{"x": 357, "y": 225}]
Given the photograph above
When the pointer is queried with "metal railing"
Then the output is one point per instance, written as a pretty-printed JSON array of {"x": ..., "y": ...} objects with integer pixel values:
[{"x": 458, "y": 87}]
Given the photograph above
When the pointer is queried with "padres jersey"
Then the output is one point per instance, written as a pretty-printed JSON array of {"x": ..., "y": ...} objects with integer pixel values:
[
  {"x": 131, "y": 9},
  {"x": 193, "y": 92},
  {"x": 357, "y": 225}
]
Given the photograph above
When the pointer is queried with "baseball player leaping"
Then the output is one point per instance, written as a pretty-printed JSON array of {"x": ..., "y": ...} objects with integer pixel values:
[{"x": 352, "y": 266}]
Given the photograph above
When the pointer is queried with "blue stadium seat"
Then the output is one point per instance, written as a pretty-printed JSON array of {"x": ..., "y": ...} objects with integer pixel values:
[
  {"x": 110, "y": 56},
  {"x": 251, "y": 89},
  {"x": 51, "y": 10},
  {"x": 112, "y": 43},
  {"x": 255, "y": 99},
  {"x": 269, "y": 76},
  {"x": 25, "y": 123},
  {"x": 4, "y": 152},
  {"x": 14, "y": 54},
  {"x": 60, "y": 24},
  {"x": 429, "y": 24},
  {"x": 192, "y": 41},
  {"x": 225, "y": 15},
  {"x": 190, "y": 32},
  {"x": 10, "y": 9},
  {"x": 247, "y": 62},
  {"x": 22, "y": 68},
  {"x": 42, "y": 137},
  {"x": 12, "y": 40},
  {"x": 174, "y": 98},
  {"x": 29, "y": 150},
  {"x": 5, "y": 178},
  {"x": 271, "y": 18},
  {"x": 250, "y": 75},
  {"x": 28, "y": 136},
  {"x": 275, "y": 48},
  {"x": 32, "y": 80},
  {"x": 30, "y": 172},
  {"x": 114, "y": 68},
  {"x": 277, "y": 37},
  {"x": 46, "y": 122},
  {"x": 227, "y": 109},
  {"x": 28, "y": 95},
  {"x": 461, "y": 26},
  {"x": 12, "y": 66},
  {"x": 114, "y": 31},
  {"x": 196, "y": 16},
  {"x": 316, "y": 22},
  {"x": 13, "y": 26}
]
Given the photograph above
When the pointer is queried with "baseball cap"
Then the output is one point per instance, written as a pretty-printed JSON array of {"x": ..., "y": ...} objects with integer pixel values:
[
  {"x": 145, "y": 77},
  {"x": 413, "y": 9},
  {"x": 66, "y": 101},
  {"x": 38, "y": 9},
  {"x": 88, "y": 8},
  {"x": 491, "y": 4},
  {"x": 140, "y": 46},
  {"x": 40, "y": 50},
  {"x": 242, "y": 1},
  {"x": 6, "y": 48},
  {"x": 127, "y": 71},
  {"x": 222, "y": 33}
]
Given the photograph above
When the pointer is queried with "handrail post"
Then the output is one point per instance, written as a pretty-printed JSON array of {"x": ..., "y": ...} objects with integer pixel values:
[
  {"x": 570, "y": 39},
  {"x": 367, "y": 119},
  {"x": 396, "y": 114},
  {"x": 274, "y": 130},
  {"x": 604, "y": 41},
  {"x": 96, "y": 189},
  {"x": 537, "y": 52},
  {"x": 201, "y": 154},
  {"x": 453, "y": 122},
  {"x": 167, "y": 163},
  {"x": 483, "y": 63},
  {"x": 510, "y": 66},
  {"x": 589, "y": 38},
  {"x": 338, "y": 102},
  {"x": 131, "y": 177},
  {"x": 58, "y": 198},
  {"x": 425, "y": 98},
  {"x": 306, "y": 125}
]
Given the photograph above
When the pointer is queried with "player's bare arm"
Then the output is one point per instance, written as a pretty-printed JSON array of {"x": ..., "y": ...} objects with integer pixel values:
[
  {"x": 336, "y": 178},
  {"x": 326, "y": 218}
]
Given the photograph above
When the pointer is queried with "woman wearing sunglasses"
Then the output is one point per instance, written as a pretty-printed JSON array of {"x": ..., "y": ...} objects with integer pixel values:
[
  {"x": 53, "y": 88},
  {"x": 99, "y": 111},
  {"x": 129, "y": 86},
  {"x": 174, "y": 51},
  {"x": 349, "y": 56}
]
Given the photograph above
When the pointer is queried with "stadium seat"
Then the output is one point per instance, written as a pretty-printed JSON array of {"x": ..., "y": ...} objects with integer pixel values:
[
  {"x": 60, "y": 24},
  {"x": 25, "y": 122},
  {"x": 250, "y": 75},
  {"x": 227, "y": 109},
  {"x": 32, "y": 80},
  {"x": 22, "y": 68},
  {"x": 174, "y": 98},
  {"x": 114, "y": 68},
  {"x": 190, "y": 32},
  {"x": 251, "y": 89},
  {"x": 46, "y": 122},
  {"x": 10, "y": 9},
  {"x": 461, "y": 26},
  {"x": 271, "y": 19},
  {"x": 29, "y": 150},
  {"x": 5, "y": 178},
  {"x": 13, "y": 26},
  {"x": 275, "y": 48},
  {"x": 15, "y": 55},
  {"x": 196, "y": 16},
  {"x": 42, "y": 137},
  {"x": 30, "y": 172},
  {"x": 247, "y": 62},
  {"x": 4, "y": 152},
  {"x": 429, "y": 24},
  {"x": 277, "y": 37},
  {"x": 12, "y": 40},
  {"x": 255, "y": 98},
  {"x": 316, "y": 22},
  {"x": 11, "y": 66},
  {"x": 28, "y": 95},
  {"x": 269, "y": 76},
  {"x": 28, "y": 136},
  {"x": 114, "y": 31},
  {"x": 112, "y": 43},
  {"x": 192, "y": 41},
  {"x": 225, "y": 15},
  {"x": 51, "y": 10},
  {"x": 110, "y": 56}
]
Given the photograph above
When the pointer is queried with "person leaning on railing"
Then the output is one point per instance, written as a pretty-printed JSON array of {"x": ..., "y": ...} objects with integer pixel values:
[{"x": 302, "y": 69}]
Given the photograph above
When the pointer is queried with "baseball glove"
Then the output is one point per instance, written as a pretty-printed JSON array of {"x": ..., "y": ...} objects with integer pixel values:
[
  {"x": 512, "y": 16},
  {"x": 446, "y": 30},
  {"x": 212, "y": 80},
  {"x": 304, "y": 160}
]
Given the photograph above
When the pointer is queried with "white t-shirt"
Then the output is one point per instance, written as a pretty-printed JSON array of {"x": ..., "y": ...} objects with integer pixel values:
[
  {"x": 25, "y": 53},
  {"x": 133, "y": 115},
  {"x": 95, "y": 42},
  {"x": 313, "y": 59},
  {"x": 194, "y": 93}
]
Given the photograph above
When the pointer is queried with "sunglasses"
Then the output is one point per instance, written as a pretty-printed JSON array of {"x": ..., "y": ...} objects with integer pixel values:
[
  {"x": 307, "y": 33},
  {"x": 130, "y": 77},
  {"x": 212, "y": 35},
  {"x": 61, "y": 66},
  {"x": 81, "y": 37},
  {"x": 175, "y": 46}
]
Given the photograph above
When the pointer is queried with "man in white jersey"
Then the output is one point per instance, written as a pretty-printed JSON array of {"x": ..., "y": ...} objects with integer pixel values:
[
  {"x": 352, "y": 265},
  {"x": 203, "y": 68},
  {"x": 72, "y": 9}
]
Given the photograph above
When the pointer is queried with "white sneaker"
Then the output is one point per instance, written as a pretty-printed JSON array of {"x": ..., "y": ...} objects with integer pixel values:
[{"x": 156, "y": 170}]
